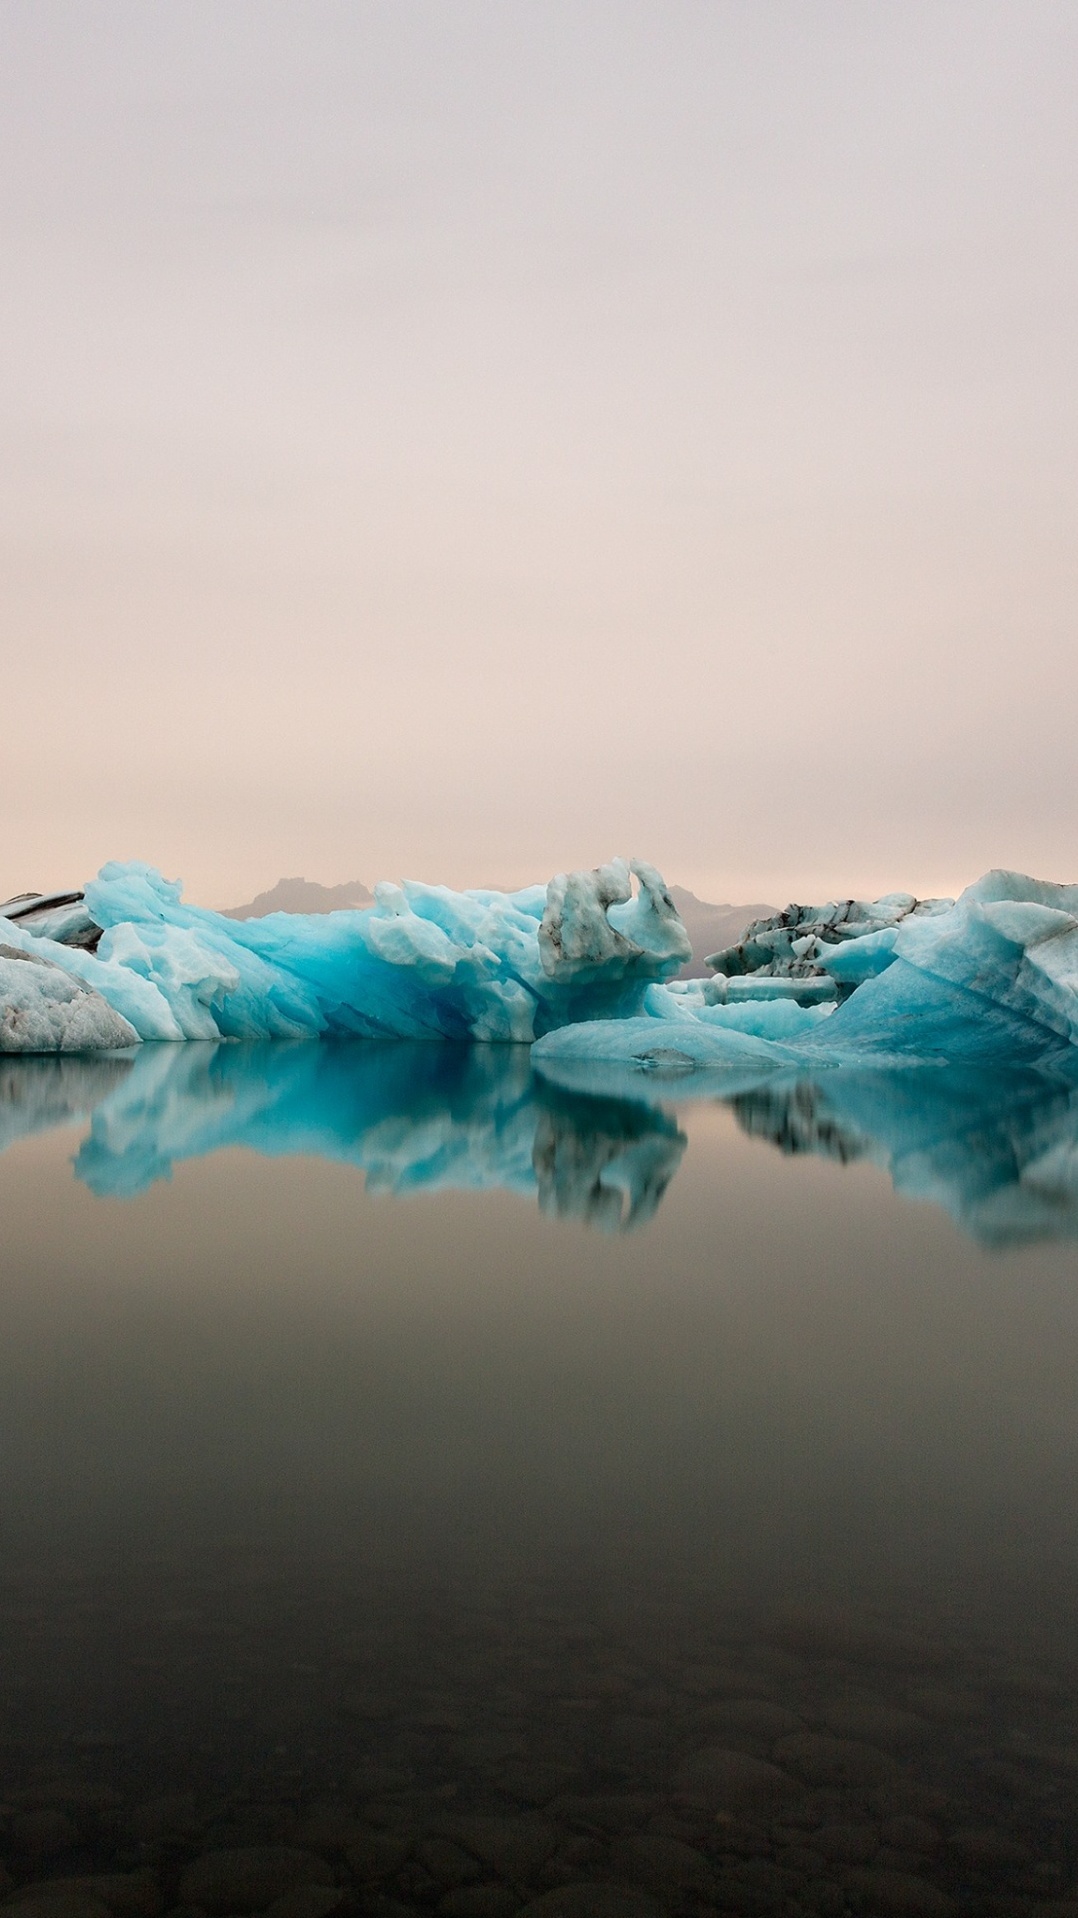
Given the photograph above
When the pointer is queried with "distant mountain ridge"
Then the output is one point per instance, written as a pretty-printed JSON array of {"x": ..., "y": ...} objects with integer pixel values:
[
  {"x": 710, "y": 927},
  {"x": 303, "y": 895}
]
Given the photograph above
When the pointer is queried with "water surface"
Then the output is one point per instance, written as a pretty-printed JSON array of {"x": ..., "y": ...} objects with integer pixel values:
[{"x": 393, "y": 1441}]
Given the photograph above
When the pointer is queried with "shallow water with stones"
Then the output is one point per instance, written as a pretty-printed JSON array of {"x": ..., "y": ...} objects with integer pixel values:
[{"x": 427, "y": 1549}]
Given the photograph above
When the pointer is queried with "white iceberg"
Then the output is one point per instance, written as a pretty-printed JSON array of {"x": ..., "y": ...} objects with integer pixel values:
[{"x": 43, "y": 1009}]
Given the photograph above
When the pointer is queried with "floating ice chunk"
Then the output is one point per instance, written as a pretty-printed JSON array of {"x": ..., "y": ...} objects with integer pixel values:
[
  {"x": 811, "y": 991},
  {"x": 851, "y": 963},
  {"x": 592, "y": 924},
  {"x": 422, "y": 962},
  {"x": 654, "y": 1045},
  {"x": 135, "y": 998},
  {"x": 801, "y": 940},
  {"x": 42, "y": 1009},
  {"x": 992, "y": 977},
  {"x": 63, "y": 916}
]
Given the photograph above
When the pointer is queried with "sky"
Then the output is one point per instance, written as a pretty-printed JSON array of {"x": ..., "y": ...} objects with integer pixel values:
[{"x": 467, "y": 441}]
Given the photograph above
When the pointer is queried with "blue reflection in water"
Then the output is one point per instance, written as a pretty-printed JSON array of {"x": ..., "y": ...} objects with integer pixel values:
[
  {"x": 412, "y": 1117},
  {"x": 999, "y": 1152}
]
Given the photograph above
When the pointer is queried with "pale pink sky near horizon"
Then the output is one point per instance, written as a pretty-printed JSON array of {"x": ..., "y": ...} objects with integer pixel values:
[{"x": 464, "y": 442}]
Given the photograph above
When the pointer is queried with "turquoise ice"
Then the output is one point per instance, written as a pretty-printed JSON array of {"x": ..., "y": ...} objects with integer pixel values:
[
  {"x": 424, "y": 962},
  {"x": 991, "y": 979}
]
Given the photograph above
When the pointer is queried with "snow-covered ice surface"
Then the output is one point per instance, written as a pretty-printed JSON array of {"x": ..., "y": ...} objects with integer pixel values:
[{"x": 422, "y": 962}]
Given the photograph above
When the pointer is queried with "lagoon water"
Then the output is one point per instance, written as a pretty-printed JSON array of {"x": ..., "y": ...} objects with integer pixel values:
[{"x": 495, "y": 1493}]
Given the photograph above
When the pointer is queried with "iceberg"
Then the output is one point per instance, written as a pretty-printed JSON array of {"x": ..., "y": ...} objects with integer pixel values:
[
  {"x": 989, "y": 978},
  {"x": 583, "y": 967},
  {"x": 423, "y": 962},
  {"x": 795, "y": 944},
  {"x": 44, "y": 1009},
  {"x": 63, "y": 916}
]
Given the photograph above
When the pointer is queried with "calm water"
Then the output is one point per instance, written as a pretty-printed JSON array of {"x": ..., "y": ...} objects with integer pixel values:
[{"x": 484, "y": 1489}]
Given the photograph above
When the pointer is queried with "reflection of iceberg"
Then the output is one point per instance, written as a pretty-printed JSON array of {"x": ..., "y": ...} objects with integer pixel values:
[
  {"x": 411, "y": 1117},
  {"x": 60, "y": 1089},
  {"x": 607, "y": 1161},
  {"x": 999, "y": 1152}
]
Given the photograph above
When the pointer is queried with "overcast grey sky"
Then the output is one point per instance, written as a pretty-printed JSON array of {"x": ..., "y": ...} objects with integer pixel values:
[{"x": 463, "y": 441}]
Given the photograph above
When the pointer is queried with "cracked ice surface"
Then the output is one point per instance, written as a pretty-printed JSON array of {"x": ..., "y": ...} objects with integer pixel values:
[{"x": 423, "y": 962}]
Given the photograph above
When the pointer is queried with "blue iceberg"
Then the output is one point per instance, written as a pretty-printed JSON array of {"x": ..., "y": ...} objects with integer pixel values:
[
  {"x": 989, "y": 979},
  {"x": 582, "y": 966},
  {"x": 423, "y": 962}
]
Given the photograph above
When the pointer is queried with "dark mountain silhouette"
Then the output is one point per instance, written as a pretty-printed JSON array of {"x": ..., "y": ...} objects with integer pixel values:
[
  {"x": 711, "y": 927},
  {"x": 303, "y": 895}
]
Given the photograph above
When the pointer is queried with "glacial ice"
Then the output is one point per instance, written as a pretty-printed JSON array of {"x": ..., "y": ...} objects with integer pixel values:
[
  {"x": 422, "y": 962},
  {"x": 990, "y": 978},
  {"x": 43, "y": 1009},
  {"x": 797, "y": 943},
  {"x": 583, "y": 966}
]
